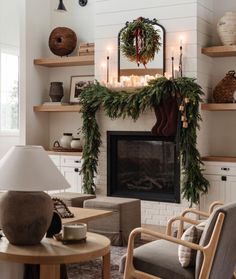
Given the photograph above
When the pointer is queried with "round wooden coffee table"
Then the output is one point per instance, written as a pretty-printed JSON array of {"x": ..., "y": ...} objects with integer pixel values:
[{"x": 50, "y": 253}]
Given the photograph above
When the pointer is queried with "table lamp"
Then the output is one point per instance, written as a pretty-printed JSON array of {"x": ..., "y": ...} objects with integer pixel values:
[{"x": 25, "y": 210}]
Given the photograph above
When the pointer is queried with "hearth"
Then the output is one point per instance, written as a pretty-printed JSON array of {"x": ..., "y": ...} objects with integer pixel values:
[{"x": 141, "y": 165}]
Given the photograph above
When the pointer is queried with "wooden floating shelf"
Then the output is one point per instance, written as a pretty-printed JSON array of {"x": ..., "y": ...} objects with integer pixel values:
[
  {"x": 57, "y": 108},
  {"x": 218, "y": 107},
  {"x": 66, "y": 61},
  {"x": 51, "y": 152},
  {"x": 219, "y": 51},
  {"x": 219, "y": 159}
]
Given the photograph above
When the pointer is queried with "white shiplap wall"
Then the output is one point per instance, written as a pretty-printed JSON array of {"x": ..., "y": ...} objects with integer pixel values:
[{"x": 178, "y": 18}]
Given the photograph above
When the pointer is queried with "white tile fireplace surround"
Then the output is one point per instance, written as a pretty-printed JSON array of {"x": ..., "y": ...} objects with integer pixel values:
[{"x": 152, "y": 212}]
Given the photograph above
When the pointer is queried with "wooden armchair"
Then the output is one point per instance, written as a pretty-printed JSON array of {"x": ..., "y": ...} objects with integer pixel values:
[
  {"x": 183, "y": 219},
  {"x": 216, "y": 255}
]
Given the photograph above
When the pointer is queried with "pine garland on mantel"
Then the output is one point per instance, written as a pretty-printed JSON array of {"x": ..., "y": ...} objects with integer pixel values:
[{"x": 124, "y": 104}]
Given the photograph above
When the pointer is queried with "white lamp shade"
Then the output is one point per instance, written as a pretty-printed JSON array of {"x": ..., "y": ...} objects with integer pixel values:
[{"x": 29, "y": 168}]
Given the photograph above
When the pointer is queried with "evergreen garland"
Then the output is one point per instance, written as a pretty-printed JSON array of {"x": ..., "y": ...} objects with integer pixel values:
[{"x": 124, "y": 104}]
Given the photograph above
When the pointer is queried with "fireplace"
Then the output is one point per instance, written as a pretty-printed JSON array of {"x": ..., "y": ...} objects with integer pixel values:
[{"x": 144, "y": 166}]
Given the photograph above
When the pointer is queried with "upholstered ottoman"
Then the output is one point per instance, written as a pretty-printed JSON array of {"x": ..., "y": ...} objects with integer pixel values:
[
  {"x": 73, "y": 199},
  {"x": 126, "y": 216}
]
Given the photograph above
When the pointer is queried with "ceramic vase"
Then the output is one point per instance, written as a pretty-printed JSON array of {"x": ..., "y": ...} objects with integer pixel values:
[
  {"x": 56, "y": 91},
  {"x": 226, "y": 28},
  {"x": 75, "y": 143},
  {"x": 66, "y": 140}
]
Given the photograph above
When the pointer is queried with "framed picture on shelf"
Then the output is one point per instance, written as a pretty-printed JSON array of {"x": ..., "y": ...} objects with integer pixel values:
[{"x": 77, "y": 84}]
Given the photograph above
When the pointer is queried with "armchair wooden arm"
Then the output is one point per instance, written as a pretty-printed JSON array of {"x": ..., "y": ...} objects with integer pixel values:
[
  {"x": 196, "y": 212},
  {"x": 213, "y": 205},
  {"x": 181, "y": 225},
  {"x": 208, "y": 251}
]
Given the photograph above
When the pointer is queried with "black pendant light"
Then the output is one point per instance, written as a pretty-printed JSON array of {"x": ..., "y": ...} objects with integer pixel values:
[
  {"x": 83, "y": 3},
  {"x": 61, "y": 6}
]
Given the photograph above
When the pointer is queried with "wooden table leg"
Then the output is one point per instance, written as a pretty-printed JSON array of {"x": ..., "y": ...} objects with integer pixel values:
[
  {"x": 50, "y": 271},
  {"x": 106, "y": 266}
]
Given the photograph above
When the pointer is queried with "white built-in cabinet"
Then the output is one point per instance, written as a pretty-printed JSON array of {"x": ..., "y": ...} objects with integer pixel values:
[
  {"x": 222, "y": 179},
  {"x": 70, "y": 166}
]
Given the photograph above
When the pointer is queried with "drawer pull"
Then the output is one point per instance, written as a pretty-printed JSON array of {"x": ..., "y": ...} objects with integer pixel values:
[
  {"x": 76, "y": 170},
  {"x": 76, "y": 161},
  {"x": 224, "y": 178},
  {"x": 225, "y": 169}
]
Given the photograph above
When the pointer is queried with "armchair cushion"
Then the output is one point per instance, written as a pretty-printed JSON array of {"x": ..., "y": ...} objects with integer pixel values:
[
  {"x": 187, "y": 256},
  {"x": 160, "y": 258}
]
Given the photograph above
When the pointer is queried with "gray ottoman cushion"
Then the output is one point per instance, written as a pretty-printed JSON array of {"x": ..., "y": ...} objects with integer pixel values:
[
  {"x": 126, "y": 216},
  {"x": 159, "y": 258},
  {"x": 73, "y": 199}
]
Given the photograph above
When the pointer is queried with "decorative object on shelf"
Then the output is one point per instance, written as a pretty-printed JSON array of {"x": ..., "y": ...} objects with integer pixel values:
[
  {"x": 65, "y": 140},
  {"x": 75, "y": 143},
  {"x": 226, "y": 28},
  {"x": 61, "y": 208},
  {"x": 56, "y": 91},
  {"x": 27, "y": 171},
  {"x": 86, "y": 49},
  {"x": 224, "y": 90},
  {"x": 124, "y": 104},
  {"x": 62, "y": 41},
  {"x": 140, "y": 41},
  {"x": 77, "y": 84}
]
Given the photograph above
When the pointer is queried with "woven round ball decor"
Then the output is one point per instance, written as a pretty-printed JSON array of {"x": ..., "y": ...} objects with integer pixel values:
[{"x": 62, "y": 41}]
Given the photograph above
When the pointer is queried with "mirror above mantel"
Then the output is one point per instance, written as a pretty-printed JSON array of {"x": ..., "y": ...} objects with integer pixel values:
[{"x": 126, "y": 67}]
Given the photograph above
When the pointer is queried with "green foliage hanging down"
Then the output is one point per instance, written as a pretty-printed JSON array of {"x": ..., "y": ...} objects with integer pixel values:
[{"x": 124, "y": 104}]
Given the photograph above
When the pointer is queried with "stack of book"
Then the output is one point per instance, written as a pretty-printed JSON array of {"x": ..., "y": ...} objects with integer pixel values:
[{"x": 86, "y": 49}]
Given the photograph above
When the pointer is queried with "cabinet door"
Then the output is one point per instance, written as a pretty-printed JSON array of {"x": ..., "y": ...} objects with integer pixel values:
[
  {"x": 73, "y": 177},
  {"x": 230, "y": 193},
  {"x": 216, "y": 191}
]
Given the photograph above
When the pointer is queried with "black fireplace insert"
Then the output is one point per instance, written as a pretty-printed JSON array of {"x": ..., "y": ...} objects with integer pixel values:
[{"x": 142, "y": 165}]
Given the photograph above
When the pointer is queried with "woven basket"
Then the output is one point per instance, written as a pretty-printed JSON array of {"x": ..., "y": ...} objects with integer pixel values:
[{"x": 224, "y": 90}]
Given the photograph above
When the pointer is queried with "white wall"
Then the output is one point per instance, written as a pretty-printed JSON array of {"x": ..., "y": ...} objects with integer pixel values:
[
  {"x": 36, "y": 26},
  {"x": 9, "y": 38}
]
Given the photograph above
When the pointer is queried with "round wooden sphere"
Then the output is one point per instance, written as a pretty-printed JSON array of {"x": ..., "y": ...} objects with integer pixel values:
[{"x": 62, "y": 41}]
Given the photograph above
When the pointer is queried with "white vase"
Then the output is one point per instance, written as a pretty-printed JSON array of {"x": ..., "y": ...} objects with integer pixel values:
[
  {"x": 66, "y": 140},
  {"x": 226, "y": 28},
  {"x": 75, "y": 143}
]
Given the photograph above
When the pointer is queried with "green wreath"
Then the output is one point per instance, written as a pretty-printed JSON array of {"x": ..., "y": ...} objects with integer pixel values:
[{"x": 144, "y": 32}]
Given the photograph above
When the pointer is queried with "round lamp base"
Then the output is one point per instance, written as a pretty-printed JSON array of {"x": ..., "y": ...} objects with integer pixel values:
[{"x": 25, "y": 216}]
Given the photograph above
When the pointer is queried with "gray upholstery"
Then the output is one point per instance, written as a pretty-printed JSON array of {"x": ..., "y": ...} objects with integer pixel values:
[
  {"x": 73, "y": 199},
  {"x": 225, "y": 257},
  {"x": 126, "y": 216},
  {"x": 160, "y": 258}
]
